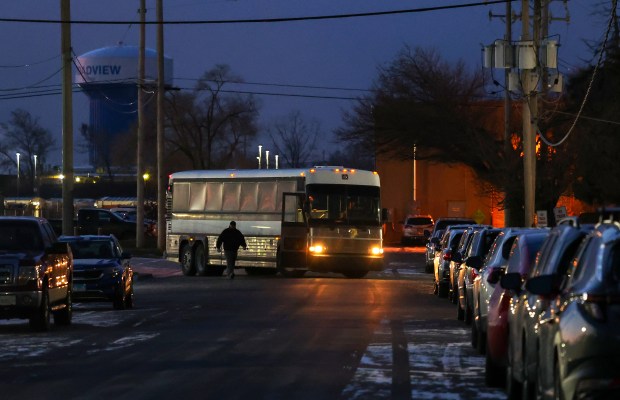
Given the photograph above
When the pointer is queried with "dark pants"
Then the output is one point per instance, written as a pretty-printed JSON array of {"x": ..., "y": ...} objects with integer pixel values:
[{"x": 231, "y": 257}]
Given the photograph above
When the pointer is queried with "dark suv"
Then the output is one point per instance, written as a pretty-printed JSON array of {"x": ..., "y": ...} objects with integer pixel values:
[{"x": 36, "y": 273}]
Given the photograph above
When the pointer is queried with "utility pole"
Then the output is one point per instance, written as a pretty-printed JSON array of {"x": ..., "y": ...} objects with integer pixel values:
[
  {"x": 67, "y": 118},
  {"x": 161, "y": 176},
  {"x": 507, "y": 111},
  {"x": 140, "y": 146}
]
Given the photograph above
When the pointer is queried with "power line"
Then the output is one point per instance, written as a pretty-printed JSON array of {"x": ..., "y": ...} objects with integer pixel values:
[{"x": 263, "y": 20}]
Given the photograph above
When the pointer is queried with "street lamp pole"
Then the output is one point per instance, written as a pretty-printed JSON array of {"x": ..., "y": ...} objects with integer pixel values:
[
  {"x": 36, "y": 188},
  {"x": 17, "y": 155}
]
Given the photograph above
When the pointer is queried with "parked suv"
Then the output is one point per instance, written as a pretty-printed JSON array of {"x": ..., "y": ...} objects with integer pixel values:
[
  {"x": 416, "y": 229},
  {"x": 35, "y": 273}
]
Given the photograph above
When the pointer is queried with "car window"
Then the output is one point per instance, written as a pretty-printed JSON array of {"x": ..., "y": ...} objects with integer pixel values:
[
  {"x": 419, "y": 221},
  {"x": 514, "y": 259},
  {"x": 20, "y": 236},
  {"x": 585, "y": 265}
]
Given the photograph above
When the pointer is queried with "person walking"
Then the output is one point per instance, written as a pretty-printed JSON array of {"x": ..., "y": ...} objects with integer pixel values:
[{"x": 232, "y": 239}]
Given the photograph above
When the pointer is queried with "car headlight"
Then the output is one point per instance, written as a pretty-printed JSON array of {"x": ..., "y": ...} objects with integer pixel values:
[{"x": 28, "y": 273}]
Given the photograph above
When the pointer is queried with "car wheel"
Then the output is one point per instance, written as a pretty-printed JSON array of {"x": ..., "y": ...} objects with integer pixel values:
[
  {"x": 482, "y": 342},
  {"x": 443, "y": 289},
  {"x": 460, "y": 313},
  {"x": 474, "y": 335},
  {"x": 494, "y": 374},
  {"x": 187, "y": 262},
  {"x": 199, "y": 260},
  {"x": 65, "y": 314},
  {"x": 119, "y": 298},
  {"x": 557, "y": 382},
  {"x": 435, "y": 289},
  {"x": 129, "y": 298},
  {"x": 513, "y": 386},
  {"x": 469, "y": 314},
  {"x": 428, "y": 268},
  {"x": 40, "y": 321}
]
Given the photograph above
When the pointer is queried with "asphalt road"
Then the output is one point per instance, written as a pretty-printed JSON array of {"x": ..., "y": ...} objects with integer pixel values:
[{"x": 256, "y": 337}]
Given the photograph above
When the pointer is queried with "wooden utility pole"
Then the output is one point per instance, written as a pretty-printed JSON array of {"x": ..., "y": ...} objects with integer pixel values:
[
  {"x": 507, "y": 114},
  {"x": 140, "y": 146},
  {"x": 67, "y": 118},
  {"x": 530, "y": 112},
  {"x": 161, "y": 174}
]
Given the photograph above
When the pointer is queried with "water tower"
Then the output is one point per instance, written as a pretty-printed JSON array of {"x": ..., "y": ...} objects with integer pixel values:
[{"x": 109, "y": 78}]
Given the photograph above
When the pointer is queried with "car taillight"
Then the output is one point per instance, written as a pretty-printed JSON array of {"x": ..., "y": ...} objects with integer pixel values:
[
  {"x": 472, "y": 274},
  {"x": 447, "y": 255}
]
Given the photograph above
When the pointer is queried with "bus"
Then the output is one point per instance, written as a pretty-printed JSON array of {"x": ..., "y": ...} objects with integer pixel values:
[{"x": 322, "y": 219}]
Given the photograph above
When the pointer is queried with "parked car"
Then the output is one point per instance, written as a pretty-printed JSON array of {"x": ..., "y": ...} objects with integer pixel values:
[
  {"x": 579, "y": 345},
  {"x": 479, "y": 247},
  {"x": 102, "y": 271},
  {"x": 484, "y": 284},
  {"x": 457, "y": 260},
  {"x": 416, "y": 229},
  {"x": 521, "y": 258},
  {"x": 556, "y": 256},
  {"x": 432, "y": 246},
  {"x": 449, "y": 243},
  {"x": 35, "y": 273}
]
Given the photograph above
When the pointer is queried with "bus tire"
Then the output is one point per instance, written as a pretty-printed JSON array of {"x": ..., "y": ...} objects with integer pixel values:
[
  {"x": 187, "y": 260},
  {"x": 287, "y": 272},
  {"x": 355, "y": 274},
  {"x": 199, "y": 260}
]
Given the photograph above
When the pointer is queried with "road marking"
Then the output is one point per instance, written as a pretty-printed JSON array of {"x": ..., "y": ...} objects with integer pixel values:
[{"x": 434, "y": 369}]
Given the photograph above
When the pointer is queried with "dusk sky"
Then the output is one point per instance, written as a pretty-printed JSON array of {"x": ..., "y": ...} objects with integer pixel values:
[{"x": 330, "y": 54}]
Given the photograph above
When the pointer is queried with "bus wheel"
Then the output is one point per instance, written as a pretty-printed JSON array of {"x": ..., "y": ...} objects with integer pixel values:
[
  {"x": 187, "y": 262},
  {"x": 288, "y": 272},
  {"x": 355, "y": 274},
  {"x": 199, "y": 260}
]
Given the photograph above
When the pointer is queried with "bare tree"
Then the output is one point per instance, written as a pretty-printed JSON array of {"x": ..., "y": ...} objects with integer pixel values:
[
  {"x": 211, "y": 126},
  {"x": 440, "y": 107},
  {"x": 23, "y": 134},
  {"x": 295, "y": 139}
]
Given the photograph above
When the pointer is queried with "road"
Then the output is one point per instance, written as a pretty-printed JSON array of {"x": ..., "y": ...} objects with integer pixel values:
[{"x": 256, "y": 337}]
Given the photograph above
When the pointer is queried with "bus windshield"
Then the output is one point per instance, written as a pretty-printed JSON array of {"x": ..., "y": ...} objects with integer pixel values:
[{"x": 343, "y": 204}]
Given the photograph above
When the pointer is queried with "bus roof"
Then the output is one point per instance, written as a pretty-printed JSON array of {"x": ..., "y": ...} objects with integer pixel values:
[{"x": 370, "y": 178}]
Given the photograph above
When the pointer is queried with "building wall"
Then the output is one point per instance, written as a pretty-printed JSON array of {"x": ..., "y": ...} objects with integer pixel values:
[{"x": 442, "y": 190}]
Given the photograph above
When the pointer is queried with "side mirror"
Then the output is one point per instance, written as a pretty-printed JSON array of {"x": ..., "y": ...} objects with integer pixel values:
[
  {"x": 511, "y": 281},
  {"x": 456, "y": 257},
  {"x": 474, "y": 262},
  {"x": 494, "y": 275},
  {"x": 544, "y": 285},
  {"x": 435, "y": 241},
  {"x": 427, "y": 233},
  {"x": 384, "y": 215}
]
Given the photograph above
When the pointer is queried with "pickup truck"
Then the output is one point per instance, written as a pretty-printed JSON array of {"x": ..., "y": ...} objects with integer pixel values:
[
  {"x": 36, "y": 273},
  {"x": 101, "y": 221}
]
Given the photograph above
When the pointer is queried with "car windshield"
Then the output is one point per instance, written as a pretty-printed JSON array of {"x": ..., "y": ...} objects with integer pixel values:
[
  {"x": 344, "y": 204},
  {"x": 20, "y": 236},
  {"x": 419, "y": 221},
  {"x": 85, "y": 249}
]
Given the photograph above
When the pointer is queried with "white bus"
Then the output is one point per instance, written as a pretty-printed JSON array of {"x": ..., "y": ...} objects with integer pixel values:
[{"x": 326, "y": 219}]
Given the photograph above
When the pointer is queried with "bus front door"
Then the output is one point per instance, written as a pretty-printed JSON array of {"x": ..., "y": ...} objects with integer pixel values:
[{"x": 291, "y": 257}]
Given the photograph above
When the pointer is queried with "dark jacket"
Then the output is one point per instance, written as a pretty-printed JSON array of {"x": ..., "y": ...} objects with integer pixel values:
[{"x": 232, "y": 239}]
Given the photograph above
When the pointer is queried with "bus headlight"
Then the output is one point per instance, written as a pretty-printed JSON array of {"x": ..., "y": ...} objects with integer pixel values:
[
  {"x": 317, "y": 249},
  {"x": 376, "y": 251}
]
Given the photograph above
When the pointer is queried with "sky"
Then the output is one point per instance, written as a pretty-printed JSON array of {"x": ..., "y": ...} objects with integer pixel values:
[{"x": 303, "y": 64}]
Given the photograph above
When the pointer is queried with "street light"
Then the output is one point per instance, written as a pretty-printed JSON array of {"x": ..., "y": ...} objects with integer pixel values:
[
  {"x": 260, "y": 154},
  {"x": 35, "y": 166},
  {"x": 17, "y": 154}
]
